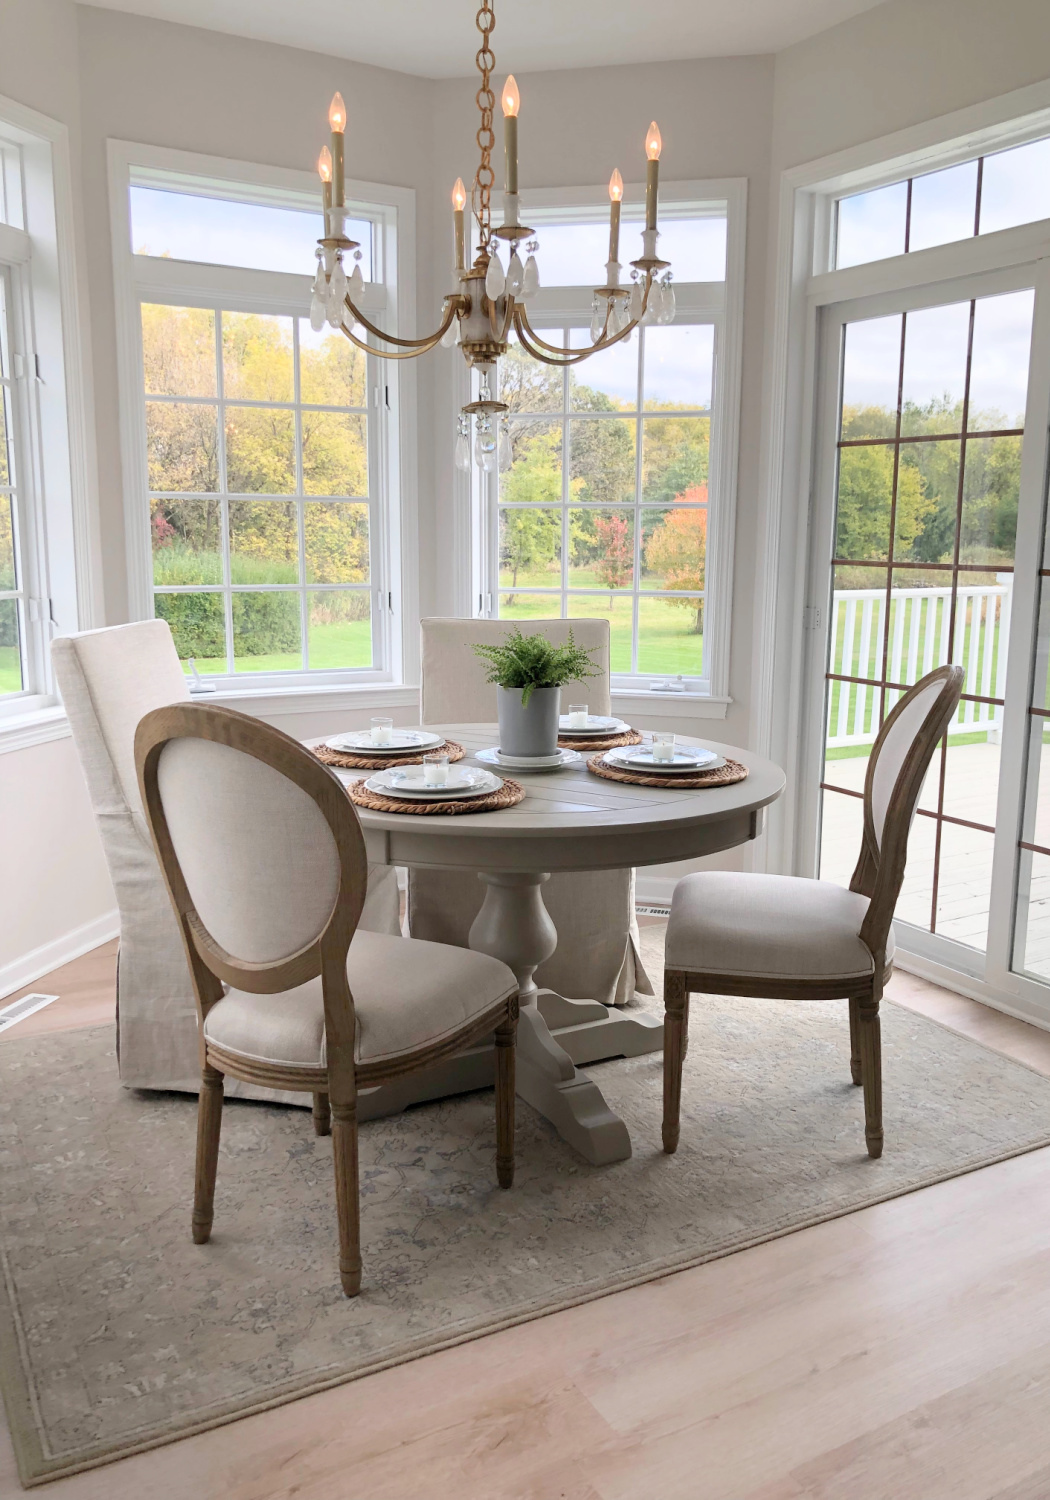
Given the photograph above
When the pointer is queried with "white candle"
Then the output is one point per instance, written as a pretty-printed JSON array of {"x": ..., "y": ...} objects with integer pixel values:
[
  {"x": 615, "y": 197},
  {"x": 381, "y": 731},
  {"x": 459, "y": 200},
  {"x": 337, "y": 120},
  {"x": 663, "y": 746},
  {"x": 435, "y": 770},
  {"x": 577, "y": 716},
  {"x": 653, "y": 147},
  {"x": 511, "y": 104},
  {"x": 324, "y": 168}
]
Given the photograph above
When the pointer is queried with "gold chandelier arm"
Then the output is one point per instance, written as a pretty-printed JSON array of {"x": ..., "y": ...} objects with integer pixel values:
[
  {"x": 432, "y": 343},
  {"x": 422, "y": 345},
  {"x": 532, "y": 342}
]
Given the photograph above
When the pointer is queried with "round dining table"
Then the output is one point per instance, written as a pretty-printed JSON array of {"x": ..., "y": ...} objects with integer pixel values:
[{"x": 570, "y": 819}]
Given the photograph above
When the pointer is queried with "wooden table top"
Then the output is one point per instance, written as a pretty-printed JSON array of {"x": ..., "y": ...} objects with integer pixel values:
[{"x": 573, "y": 820}]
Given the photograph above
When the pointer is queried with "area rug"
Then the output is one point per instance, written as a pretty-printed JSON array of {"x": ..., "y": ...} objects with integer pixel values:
[{"x": 117, "y": 1333}]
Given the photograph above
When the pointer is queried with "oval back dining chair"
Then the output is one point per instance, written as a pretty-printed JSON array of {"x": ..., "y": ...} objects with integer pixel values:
[
  {"x": 598, "y": 954},
  {"x": 782, "y": 937},
  {"x": 264, "y": 860}
]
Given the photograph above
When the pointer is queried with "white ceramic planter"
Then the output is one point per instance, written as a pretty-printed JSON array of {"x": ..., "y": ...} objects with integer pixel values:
[{"x": 529, "y": 730}]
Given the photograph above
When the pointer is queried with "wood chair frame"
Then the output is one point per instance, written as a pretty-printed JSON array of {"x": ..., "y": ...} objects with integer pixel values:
[
  {"x": 878, "y": 875},
  {"x": 334, "y": 1087}
]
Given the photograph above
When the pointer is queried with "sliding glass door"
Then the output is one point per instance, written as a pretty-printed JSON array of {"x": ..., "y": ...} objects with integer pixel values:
[{"x": 928, "y": 547}]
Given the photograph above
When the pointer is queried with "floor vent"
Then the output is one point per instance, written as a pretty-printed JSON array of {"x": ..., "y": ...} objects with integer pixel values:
[
  {"x": 17, "y": 1011},
  {"x": 651, "y": 911}
]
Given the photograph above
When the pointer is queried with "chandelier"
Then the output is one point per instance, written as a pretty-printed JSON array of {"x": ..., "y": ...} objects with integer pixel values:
[{"x": 488, "y": 301}]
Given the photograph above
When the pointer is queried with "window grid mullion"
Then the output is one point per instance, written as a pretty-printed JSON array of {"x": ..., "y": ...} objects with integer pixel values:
[
  {"x": 224, "y": 504},
  {"x": 300, "y": 501}
]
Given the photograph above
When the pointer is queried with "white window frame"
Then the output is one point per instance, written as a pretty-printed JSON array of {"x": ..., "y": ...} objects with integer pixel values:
[
  {"x": 391, "y": 396},
  {"x": 54, "y": 451},
  {"x": 790, "y": 619},
  {"x": 720, "y": 303}
]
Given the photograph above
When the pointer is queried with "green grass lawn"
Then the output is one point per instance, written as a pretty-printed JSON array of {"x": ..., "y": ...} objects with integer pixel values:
[
  {"x": 332, "y": 647},
  {"x": 667, "y": 642},
  {"x": 10, "y": 670}
]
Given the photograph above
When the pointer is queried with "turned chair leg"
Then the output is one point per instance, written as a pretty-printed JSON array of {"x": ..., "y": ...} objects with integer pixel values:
[
  {"x": 347, "y": 1197},
  {"x": 676, "y": 1029},
  {"x": 870, "y": 1037},
  {"x": 854, "y": 1040},
  {"x": 506, "y": 1037},
  {"x": 209, "y": 1123},
  {"x": 322, "y": 1115}
]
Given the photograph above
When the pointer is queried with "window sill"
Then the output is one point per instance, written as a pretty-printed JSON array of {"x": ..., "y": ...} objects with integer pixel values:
[
  {"x": 631, "y": 703},
  {"x": 270, "y": 702},
  {"x": 36, "y": 727}
]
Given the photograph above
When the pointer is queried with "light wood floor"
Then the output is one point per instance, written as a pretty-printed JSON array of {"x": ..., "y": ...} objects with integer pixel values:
[{"x": 901, "y": 1353}]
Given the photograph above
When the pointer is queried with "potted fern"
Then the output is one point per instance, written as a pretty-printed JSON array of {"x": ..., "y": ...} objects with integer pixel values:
[{"x": 529, "y": 672}]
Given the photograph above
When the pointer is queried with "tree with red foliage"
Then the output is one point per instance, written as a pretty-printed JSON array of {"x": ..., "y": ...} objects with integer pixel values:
[
  {"x": 615, "y": 561},
  {"x": 677, "y": 550}
]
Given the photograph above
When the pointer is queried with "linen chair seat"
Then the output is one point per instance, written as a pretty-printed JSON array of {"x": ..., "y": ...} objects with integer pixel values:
[
  {"x": 407, "y": 994},
  {"x": 768, "y": 927}
]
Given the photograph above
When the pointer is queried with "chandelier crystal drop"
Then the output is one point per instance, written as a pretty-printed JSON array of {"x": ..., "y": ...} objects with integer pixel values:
[{"x": 487, "y": 302}]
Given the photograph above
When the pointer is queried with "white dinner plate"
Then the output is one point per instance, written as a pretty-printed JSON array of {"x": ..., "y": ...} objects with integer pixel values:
[
  {"x": 629, "y": 758},
  {"x": 463, "y": 781},
  {"x": 494, "y": 756},
  {"x": 596, "y": 724},
  {"x": 402, "y": 742}
]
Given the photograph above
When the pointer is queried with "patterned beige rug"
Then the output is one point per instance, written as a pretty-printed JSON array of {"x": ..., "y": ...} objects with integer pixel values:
[{"x": 117, "y": 1333}]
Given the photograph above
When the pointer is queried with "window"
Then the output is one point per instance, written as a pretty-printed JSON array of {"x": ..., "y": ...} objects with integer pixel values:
[
  {"x": 975, "y": 197},
  {"x": 611, "y": 506},
  {"x": 41, "y": 485},
  {"x": 12, "y": 593},
  {"x": 604, "y": 509},
  {"x": 930, "y": 438},
  {"x": 257, "y": 454},
  {"x": 264, "y": 450},
  {"x": 926, "y": 497}
]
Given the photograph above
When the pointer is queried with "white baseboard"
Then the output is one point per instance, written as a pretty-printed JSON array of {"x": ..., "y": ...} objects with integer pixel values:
[
  {"x": 654, "y": 890},
  {"x": 62, "y": 950},
  {"x": 974, "y": 989}
]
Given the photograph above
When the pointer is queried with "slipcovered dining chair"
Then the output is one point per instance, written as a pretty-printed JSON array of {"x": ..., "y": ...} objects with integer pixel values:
[
  {"x": 108, "y": 680},
  {"x": 781, "y": 937},
  {"x": 598, "y": 954},
  {"x": 268, "y": 906}
]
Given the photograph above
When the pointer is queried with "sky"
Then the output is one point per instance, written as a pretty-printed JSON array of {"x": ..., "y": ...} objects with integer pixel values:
[
  {"x": 935, "y": 356},
  {"x": 1015, "y": 189},
  {"x": 221, "y": 233}
]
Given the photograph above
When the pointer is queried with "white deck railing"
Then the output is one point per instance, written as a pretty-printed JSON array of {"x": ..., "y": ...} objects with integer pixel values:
[{"x": 918, "y": 642}]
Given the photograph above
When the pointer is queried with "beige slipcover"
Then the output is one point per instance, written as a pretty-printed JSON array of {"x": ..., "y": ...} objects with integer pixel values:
[
  {"x": 109, "y": 679},
  {"x": 598, "y": 953}
]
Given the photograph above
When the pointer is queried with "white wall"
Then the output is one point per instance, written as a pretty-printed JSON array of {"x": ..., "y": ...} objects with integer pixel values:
[
  {"x": 903, "y": 62},
  {"x": 55, "y": 895},
  {"x": 107, "y": 74}
]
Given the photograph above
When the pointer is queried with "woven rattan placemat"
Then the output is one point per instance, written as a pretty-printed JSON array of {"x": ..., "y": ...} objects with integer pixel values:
[
  {"x": 508, "y": 795},
  {"x": 346, "y": 760},
  {"x": 723, "y": 776},
  {"x": 600, "y": 742}
]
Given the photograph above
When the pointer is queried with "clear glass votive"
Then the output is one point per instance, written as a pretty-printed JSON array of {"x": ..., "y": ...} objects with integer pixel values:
[
  {"x": 577, "y": 716},
  {"x": 663, "y": 744},
  {"x": 435, "y": 768},
  {"x": 381, "y": 731}
]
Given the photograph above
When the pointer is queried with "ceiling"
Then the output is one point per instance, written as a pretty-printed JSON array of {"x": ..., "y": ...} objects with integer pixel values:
[{"x": 436, "y": 38}]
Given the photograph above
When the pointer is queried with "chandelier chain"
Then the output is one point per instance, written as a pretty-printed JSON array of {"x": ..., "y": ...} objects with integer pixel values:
[{"x": 481, "y": 193}]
